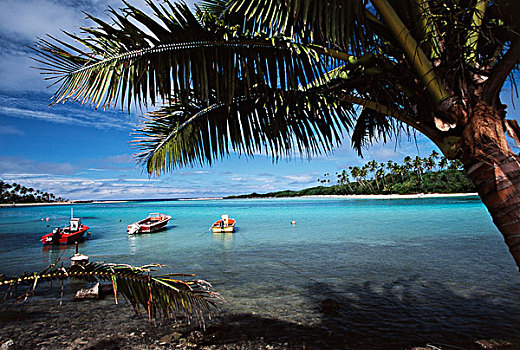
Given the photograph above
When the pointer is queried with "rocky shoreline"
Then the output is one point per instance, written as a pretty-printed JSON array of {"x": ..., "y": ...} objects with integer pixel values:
[{"x": 100, "y": 324}]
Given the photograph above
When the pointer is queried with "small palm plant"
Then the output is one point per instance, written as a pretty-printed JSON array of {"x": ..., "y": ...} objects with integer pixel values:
[{"x": 165, "y": 296}]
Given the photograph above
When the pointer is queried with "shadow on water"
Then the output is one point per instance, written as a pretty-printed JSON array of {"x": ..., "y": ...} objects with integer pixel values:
[
  {"x": 83, "y": 218},
  {"x": 408, "y": 311},
  {"x": 59, "y": 247},
  {"x": 396, "y": 315}
]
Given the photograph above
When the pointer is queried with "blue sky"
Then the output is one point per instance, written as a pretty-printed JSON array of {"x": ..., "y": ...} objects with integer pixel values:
[{"x": 76, "y": 152}]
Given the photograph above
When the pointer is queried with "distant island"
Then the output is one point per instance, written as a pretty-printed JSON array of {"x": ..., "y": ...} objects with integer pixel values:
[
  {"x": 16, "y": 193},
  {"x": 432, "y": 174}
]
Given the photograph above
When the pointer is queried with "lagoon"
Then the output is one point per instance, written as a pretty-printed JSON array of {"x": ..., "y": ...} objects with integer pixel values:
[{"x": 380, "y": 271}]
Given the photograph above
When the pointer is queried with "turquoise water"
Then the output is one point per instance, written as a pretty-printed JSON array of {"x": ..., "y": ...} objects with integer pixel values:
[{"x": 428, "y": 268}]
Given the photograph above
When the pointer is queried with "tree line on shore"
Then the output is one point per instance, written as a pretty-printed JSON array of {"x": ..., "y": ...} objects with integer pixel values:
[
  {"x": 432, "y": 174},
  {"x": 16, "y": 193}
]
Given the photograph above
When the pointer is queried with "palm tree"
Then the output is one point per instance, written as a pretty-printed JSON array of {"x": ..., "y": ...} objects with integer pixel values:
[
  {"x": 380, "y": 172},
  {"x": 443, "y": 163},
  {"x": 455, "y": 165},
  {"x": 354, "y": 171},
  {"x": 363, "y": 173},
  {"x": 343, "y": 180},
  {"x": 286, "y": 76},
  {"x": 391, "y": 166},
  {"x": 417, "y": 164},
  {"x": 372, "y": 166},
  {"x": 408, "y": 165},
  {"x": 401, "y": 170},
  {"x": 434, "y": 155},
  {"x": 358, "y": 174},
  {"x": 429, "y": 163}
]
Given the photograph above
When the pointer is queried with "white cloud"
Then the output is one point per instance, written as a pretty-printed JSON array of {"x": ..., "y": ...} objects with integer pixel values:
[
  {"x": 23, "y": 22},
  {"x": 30, "y": 19},
  {"x": 301, "y": 178},
  {"x": 99, "y": 120},
  {"x": 21, "y": 166},
  {"x": 17, "y": 73},
  {"x": 10, "y": 130},
  {"x": 94, "y": 169},
  {"x": 120, "y": 159},
  {"x": 75, "y": 188},
  {"x": 138, "y": 180}
]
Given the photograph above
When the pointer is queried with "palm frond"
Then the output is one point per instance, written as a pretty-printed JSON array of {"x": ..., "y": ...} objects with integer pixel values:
[
  {"x": 172, "y": 54},
  {"x": 161, "y": 295},
  {"x": 372, "y": 126},
  {"x": 272, "y": 121},
  {"x": 335, "y": 23},
  {"x": 214, "y": 7}
]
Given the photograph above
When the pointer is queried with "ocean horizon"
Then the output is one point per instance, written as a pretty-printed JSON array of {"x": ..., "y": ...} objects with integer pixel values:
[{"x": 394, "y": 270}]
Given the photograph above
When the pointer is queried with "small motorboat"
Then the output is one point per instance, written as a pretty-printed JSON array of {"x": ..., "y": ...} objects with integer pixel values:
[
  {"x": 152, "y": 223},
  {"x": 224, "y": 225},
  {"x": 67, "y": 235}
]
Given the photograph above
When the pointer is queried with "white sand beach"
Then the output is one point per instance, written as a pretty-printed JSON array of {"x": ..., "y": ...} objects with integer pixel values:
[
  {"x": 396, "y": 196},
  {"x": 349, "y": 196},
  {"x": 7, "y": 205}
]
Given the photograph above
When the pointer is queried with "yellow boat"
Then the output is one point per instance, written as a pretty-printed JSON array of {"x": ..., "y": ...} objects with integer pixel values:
[{"x": 224, "y": 225}]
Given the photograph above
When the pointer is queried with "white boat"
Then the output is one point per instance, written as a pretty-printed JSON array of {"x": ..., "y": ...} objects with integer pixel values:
[
  {"x": 152, "y": 223},
  {"x": 224, "y": 225}
]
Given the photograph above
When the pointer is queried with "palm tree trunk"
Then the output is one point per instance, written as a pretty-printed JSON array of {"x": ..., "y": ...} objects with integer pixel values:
[{"x": 495, "y": 170}]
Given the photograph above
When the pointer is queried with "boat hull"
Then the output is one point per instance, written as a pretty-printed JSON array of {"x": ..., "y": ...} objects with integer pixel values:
[
  {"x": 154, "y": 227},
  {"x": 67, "y": 236},
  {"x": 229, "y": 229},
  {"x": 149, "y": 225}
]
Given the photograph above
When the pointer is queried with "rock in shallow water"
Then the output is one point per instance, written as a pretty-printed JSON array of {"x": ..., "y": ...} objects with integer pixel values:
[
  {"x": 88, "y": 293},
  {"x": 493, "y": 343},
  {"x": 98, "y": 291},
  {"x": 7, "y": 345}
]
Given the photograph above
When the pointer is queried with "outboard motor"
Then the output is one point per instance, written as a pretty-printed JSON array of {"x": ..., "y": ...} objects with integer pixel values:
[
  {"x": 56, "y": 235},
  {"x": 134, "y": 228}
]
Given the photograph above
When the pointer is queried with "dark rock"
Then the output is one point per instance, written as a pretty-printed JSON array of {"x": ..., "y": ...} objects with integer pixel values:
[
  {"x": 105, "y": 289},
  {"x": 52, "y": 334},
  {"x": 78, "y": 343},
  {"x": 330, "y": 306},
  {"x": 166, "y": 339}
]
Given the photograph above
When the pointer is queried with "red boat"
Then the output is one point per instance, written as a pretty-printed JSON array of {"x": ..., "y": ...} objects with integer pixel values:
[
  {"x": 152, "y": 223},
  {"x": 67, "y": 235}
]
